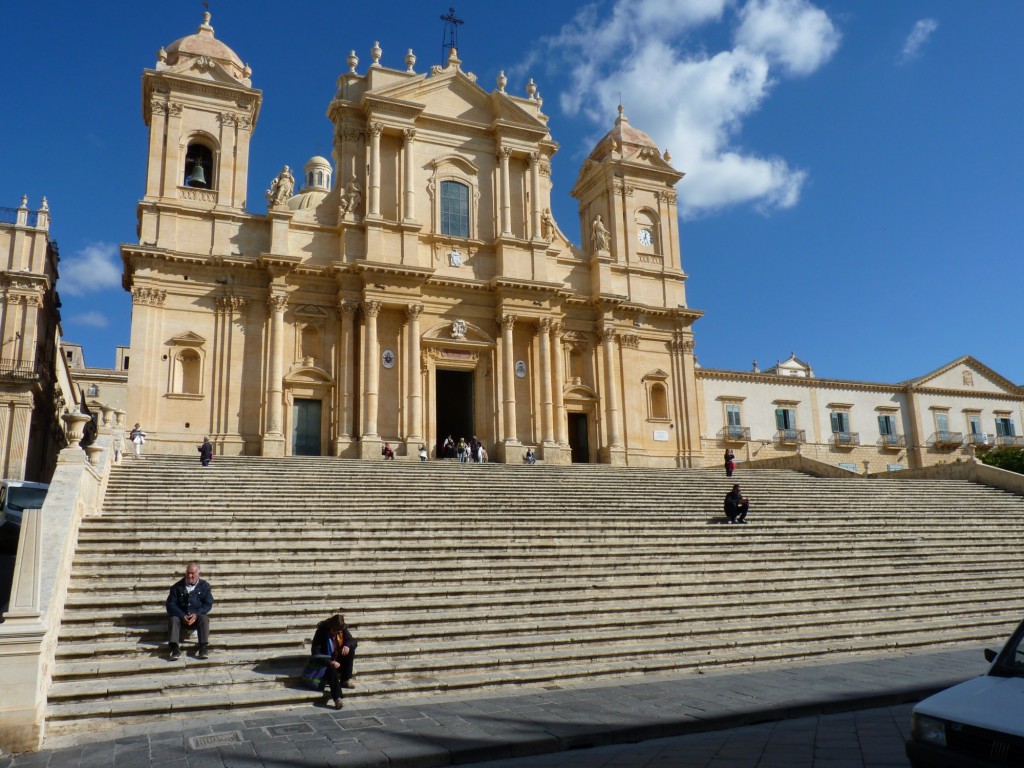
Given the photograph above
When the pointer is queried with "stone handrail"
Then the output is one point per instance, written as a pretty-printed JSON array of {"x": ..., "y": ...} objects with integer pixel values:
[{"x": 28, "y": 634}]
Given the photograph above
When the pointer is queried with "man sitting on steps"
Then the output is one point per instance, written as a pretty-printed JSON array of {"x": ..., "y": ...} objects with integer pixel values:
[
  {"x": 188, "y": 604},
  {"x": 736, "y": 506}
]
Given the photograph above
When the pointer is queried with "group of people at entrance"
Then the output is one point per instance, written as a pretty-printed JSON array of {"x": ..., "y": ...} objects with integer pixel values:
[
  {"x": 473, "y": 451},
  {"x": 333, "y": 649}
]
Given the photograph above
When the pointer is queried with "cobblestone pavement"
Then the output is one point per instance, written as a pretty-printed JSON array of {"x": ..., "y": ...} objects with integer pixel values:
[
  {"x": 870, "y": 738},
  {"x": 784, "y": 714}
]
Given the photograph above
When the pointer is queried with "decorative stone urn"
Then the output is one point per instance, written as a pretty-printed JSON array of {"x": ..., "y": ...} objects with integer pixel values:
[{"x": 74, "y": 426}]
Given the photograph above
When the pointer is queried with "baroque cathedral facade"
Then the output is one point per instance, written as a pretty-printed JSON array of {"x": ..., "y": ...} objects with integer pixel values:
[{"x": 414, "y": 286}]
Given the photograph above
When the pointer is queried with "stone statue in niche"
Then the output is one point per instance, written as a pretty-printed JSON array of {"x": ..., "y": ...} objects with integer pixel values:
[
  {"x": 599, "y": 236},
  {"x": 455, "y": 259},
  {"x": 459, "y": 329},
  {"x": 281, "y": 188},
  {"x": 351, "y": 199},
  {"x": 547, "y": 225}
]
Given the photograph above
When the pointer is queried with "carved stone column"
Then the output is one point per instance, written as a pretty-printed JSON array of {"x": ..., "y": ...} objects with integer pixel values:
[
  {"x": 546, "y": 416},
  {"x": 346, "y": 344},
  {"x": 535, "y": 232},
  {"x": 376, "y": 129},
  {"x": 414, "y": 427},
  {"x": 273, "y": 438},
  {"x": 506, "y": 192},
  {"x": 561, "y": 423},
  {"x": 611, "y": 394},
  {"x": 508, "y": 366},
  {"x": 409, "y": 156},
  {"x": 371, "y": 369}
]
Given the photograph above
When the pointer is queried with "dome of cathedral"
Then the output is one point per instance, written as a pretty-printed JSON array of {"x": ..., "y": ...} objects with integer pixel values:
[
  {"x": 623, "y": 138},
  {"x": 204, "y": 44},
  {"x": 317, "y": 181}
]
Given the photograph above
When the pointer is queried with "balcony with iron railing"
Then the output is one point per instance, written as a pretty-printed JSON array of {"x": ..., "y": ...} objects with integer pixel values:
[
  {"x": 979, "y": 439},
  {"x": 791, "y": 436},
  {"x": 845, "y": 439},
  {"x": 734, "y": 434},
  {"x": 19, "y": 369},
  {"x": 10, "y": 216},
  {"x": 1010, "y": 441},
  {"x": 947, "y": 439},
  {"x": 892, "y": 442}
]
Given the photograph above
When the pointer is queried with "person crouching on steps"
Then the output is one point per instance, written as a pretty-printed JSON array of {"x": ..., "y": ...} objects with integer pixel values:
[{"x": 332, "y": 640}]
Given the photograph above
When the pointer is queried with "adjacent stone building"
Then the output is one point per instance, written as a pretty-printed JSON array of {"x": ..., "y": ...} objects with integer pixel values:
[
  {"x": 35, "y": 387},
  {"x": 416, "y": 286}
]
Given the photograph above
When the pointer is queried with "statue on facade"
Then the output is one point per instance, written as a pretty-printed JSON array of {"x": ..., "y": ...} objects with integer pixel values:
[
  {"x": 599, "y": 236},
  {"x": 281, "y": 188},
  {"x": 459, "y": 329},
  {"x": 547, "y": 225},
  {"x": 351, "y": 199}
]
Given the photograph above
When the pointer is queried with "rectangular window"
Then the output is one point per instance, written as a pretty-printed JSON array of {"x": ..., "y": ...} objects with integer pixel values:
[
  {"x": 454, "y": 209},
  {"x": 974, "y": 422},
  {"x": 734, "y": 427},
  {"x": 886, "y": 425},
  {"x": 840, "y": 422},
  {"x": 785, "y": 418},
  {"x": 942, "y": 423},
  {"x": 1004, "y": 427}
]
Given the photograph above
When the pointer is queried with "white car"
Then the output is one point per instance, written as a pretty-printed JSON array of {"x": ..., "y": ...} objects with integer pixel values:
[
  {"x": 17, "y": 496},
  {"x": 977, "y": 723}
]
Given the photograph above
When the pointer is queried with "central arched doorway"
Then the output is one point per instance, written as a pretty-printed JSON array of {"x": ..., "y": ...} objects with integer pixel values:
[{"x": 453, "y": 406}]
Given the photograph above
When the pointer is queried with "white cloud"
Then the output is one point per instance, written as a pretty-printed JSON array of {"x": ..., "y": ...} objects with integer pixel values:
[
  {"x": 94, "y": 268},
  {"x": 691, "y": 101},
  {"x": 91, "y": 319},
  {"x": 791, "y": 33},
  {"x": 918, "y": 36}
]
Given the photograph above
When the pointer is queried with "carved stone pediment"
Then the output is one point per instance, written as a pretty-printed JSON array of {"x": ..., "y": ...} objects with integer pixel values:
[{"x": 188, "y": 339}]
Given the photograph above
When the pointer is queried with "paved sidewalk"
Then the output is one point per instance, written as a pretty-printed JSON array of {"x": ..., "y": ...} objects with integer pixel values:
[{"x": 447, "y": 730}]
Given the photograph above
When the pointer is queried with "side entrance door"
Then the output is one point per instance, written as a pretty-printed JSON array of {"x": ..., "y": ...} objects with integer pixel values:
[
  {"x": 578, "y": 443},
  {"x": 306, "y": 429}
]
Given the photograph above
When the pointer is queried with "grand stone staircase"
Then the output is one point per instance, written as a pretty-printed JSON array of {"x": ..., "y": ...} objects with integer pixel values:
[{"x": 480, "y": 576}]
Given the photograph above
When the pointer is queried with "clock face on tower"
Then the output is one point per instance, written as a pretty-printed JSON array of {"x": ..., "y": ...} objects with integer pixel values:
[{"x": 646, "y": 238}]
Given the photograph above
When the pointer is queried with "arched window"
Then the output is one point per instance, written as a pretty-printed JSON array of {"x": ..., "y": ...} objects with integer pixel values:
[
  {"x": 659, "y": 401},
  {"x": 309, "y": 181},
  {"x": 648, "y": 231},
  {"x": 319, "y": 178},
  {"x": 199, "y": 166},
  {"x": 188, "y": 365},
  {"x": 454, "y": 209},
  {"x": 310, "y": 342}
]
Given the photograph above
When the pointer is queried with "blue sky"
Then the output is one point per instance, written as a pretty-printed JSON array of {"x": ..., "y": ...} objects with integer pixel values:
[{"x": 854, "y": 182}]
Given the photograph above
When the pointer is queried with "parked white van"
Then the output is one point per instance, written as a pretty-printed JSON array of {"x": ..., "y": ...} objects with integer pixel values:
[
  {"x": 17, "y": 496},
  {"x": 977, "y": 723}
]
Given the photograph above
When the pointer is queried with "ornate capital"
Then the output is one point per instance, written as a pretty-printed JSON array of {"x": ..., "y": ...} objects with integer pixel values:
[
  {"x": 347, "y": 308},
  {"x": 413, "y": 311},
  {"x": 544, "y": 324},
  {"x": 232, "y": 303},
  {"x": 372, "y": 308},
  {"x": 504, "y": 153},
  {"x": 534, "y": 159},
  {"x": 556, "y": 328},
  {"x": 545, "y": 168},
  {"x": 149, "y": 296},
  {"x": 228, "y": 118},
  {"x": 158, "y": 107},
  {"x": 376, "y": 129},
  {"x": 629, "y": 341},
  {"x": 174, "y": 108},
  {"x": 606, "y": 334},
  {"x": 667, "y": 195},
  {"x": 278, "y": 302},
  {"x": 507, "y": 322},
  {"x": 624, "y": 189},
  {"x": 409, "y": 134}
]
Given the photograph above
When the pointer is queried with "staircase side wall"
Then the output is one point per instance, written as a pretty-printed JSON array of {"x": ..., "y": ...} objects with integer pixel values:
[{"x": 28, "y": 643}]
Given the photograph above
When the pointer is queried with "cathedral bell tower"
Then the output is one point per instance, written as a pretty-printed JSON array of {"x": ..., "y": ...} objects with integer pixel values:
[
  {"x": 201, "y": 110},
  {"x": 628, "y": 214}
]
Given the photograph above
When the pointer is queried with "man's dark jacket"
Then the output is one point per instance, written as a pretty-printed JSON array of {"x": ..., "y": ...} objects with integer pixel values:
[{"x": 180, "y": 603}]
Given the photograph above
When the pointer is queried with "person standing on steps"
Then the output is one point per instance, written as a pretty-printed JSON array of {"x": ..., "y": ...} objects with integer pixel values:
[
  {"x": 188, "y": 606},
  {"x": 206, "y": 452},
  {"x": 730, "y": 462},
  {"x": 736, "y": 507},
  {"x": 138, "y": 439},
  {"x": 333, "y": 646},
  {"x": 423, "y": 452}
]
